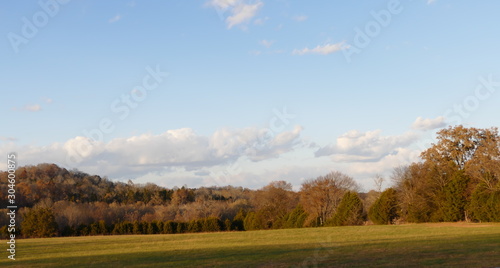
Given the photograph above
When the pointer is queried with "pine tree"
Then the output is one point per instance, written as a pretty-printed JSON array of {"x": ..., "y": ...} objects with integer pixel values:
[
  {"x": 238, "y": 221},
  {"x": 39, "y": 222},
  {"x": 228, "y": 225},
  {"x": 350, "y": 210},
  {"x": 137, "y": 228},
  {"x": 385, "y": 208},
  {"x": 485, "y": 205},
  {"x": 455, "y": 193},
  {"x": 296, "y": 218}
]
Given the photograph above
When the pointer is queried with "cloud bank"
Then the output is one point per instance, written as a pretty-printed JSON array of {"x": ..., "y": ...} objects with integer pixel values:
[
  {"x": 370, "y": 146},
  {"x": 181, "y": 148}
]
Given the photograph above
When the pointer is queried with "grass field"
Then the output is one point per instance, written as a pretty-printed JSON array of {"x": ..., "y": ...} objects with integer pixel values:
[{"x": 417, "y": 245}]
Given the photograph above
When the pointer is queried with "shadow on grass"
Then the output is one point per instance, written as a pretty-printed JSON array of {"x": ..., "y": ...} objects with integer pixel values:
[{"x": 470, "y": 250}]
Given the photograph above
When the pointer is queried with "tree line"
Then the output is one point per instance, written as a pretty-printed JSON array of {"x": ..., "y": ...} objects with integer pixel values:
[{"x": 456, "y": 180}]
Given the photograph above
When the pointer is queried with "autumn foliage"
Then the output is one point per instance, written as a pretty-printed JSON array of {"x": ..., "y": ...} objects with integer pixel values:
[{"x": 458, "y": 179}]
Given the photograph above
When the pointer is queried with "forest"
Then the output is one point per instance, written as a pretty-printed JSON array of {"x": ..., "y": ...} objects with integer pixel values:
[{"x": 456, "y": 179}]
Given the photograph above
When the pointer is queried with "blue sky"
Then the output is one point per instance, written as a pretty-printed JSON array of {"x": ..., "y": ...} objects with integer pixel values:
[{"x": 242, "y": 92}]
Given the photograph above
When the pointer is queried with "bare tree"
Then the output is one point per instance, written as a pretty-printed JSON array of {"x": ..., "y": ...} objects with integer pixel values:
[
  {"x": 274, "y": 201},
  {"x": 320, "y": 197},
  {"x": 379, "y": 181}
]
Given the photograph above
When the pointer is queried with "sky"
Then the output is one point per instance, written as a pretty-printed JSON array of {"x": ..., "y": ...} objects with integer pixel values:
[{"x": 242, "y": 92}]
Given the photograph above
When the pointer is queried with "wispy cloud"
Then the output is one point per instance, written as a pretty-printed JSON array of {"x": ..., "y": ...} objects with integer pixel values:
[
  {"x": 115, "y": 18},
  {"x": 32, "y": 108},
  {"x": 266, "y": 43},
  {"x": 241, "y": 11},
  {"x": 260, "y": 21},
  {"x": 223, "y": 4},
  {"x": 300, "y": 18},
  {"x": 429, "y": 124},
  {"x": 430, "y": 1},
  {"x": 321, "y": 49},
  {"x": 7, "y": 138},
  {"x": 255, "y": 52}
]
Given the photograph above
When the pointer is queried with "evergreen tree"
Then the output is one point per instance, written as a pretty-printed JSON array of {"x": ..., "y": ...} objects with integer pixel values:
[
  {"x": 181, "y": 227},
  {"x": 485, "y": 205},
  {"x": 350, "y": 210},
  {"x": 296, "y": 218},
  {"x": 238, "y": 221},
  {"x": 194, "y": 226},
  {"x": 152, "y": 227},
  {"x": 228, "y": 225},
  {"x": 39, "y": 222},
  {"x": 169, "y": 227},
  {"x": 385, "y": 208},
  {"x": 137, "y": 228},
  {"x": 455, "y": 192}
]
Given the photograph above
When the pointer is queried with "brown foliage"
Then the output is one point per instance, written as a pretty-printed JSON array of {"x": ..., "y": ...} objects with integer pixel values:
[{"x": 320, "y": 197}]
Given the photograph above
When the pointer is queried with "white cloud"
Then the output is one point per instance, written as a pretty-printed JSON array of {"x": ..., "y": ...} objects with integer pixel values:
[
  {"x": 32, "y": 108},
  {"x": 257, "y": 144},
  {"x": 224, "y": 4},
  {"x": 355, "y": 146},
  {"x": 300, "y": 18},
  {"x": 272, "y": 147},
  {"x": 430, "y": 1},
  {"x": 429, "y": 124},
  {"x": 266, "y": 43},
  {"x": 243, "y": 173},
  {"x": 323, "y": 50},
  {"x": 115, "y": 18},
  {"x": 366, "y": 154},
  {"x": 7, "y": 138},
  {"x": 181, "y": 148},
  {"x": 260, "y": 21},
  {"x": 255, "y": 52},
  {"x": 81, "y": 148},
  {"x": 384, "y": 166},
  {"x": 241, "y": 11}
]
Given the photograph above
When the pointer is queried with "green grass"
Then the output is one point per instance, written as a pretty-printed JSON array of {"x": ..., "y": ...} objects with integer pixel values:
[{"x": 417, "y": 245}]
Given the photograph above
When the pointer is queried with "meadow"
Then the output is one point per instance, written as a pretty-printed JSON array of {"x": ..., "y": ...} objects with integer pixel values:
[{"x": 412, "y": 245}]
